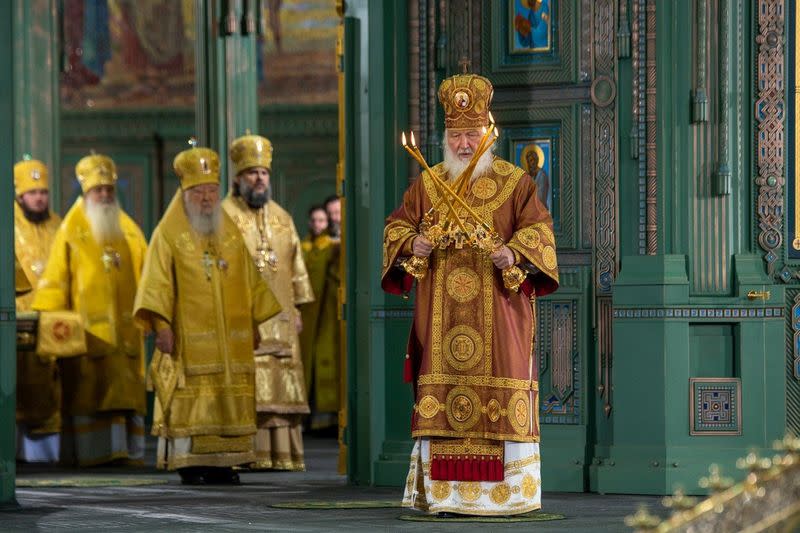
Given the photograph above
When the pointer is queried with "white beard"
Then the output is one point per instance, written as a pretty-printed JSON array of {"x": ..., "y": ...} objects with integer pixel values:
[
  {"x": 103, "y": 220},
  {"x": 204, "y": 224},
  {"x": 455, "y": 166}
]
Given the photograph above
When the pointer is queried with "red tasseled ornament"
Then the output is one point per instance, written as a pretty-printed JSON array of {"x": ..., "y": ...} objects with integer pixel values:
[
  {"x": 435, "y": 474},
  {"x": 408, "y": 371},
  {"x": 527, "y": 287}
]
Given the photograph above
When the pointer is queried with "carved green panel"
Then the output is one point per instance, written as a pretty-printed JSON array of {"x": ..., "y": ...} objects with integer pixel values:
[
  {"x": 557, "y": 126},
  {"x": 509, "y": 58}
]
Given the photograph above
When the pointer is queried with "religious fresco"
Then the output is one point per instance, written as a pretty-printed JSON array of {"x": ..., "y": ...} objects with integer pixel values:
[
  {"x": 536, "y": 150},
  {"x": 531, "y": 23},
  {"x": 535, "y": 156},
  {"x": 297, "y": 59},
  {"x": 127, "y": 54}
]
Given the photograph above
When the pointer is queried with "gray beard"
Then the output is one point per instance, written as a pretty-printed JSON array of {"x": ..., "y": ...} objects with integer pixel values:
[
  {"x": 103, "y": 221},
  {"x": 255, "y": 200},
  {"x": 204, "y": 224},
  {"x": 455, "y": 166}
]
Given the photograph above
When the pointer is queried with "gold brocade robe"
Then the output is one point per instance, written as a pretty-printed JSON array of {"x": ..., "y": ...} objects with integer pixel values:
[
  {"x": 210, "y": 294},
  {"x": 280, "y": 383},
  {"x": 38, "y": 382},
  {"x": 319, "y": 340},
  {"x": 471, "y": 344},
  {"x": 99, "y": 283}
]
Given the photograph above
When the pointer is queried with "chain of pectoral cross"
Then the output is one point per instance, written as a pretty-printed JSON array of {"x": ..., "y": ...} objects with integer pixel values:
[{"x": 265, "y": 255}]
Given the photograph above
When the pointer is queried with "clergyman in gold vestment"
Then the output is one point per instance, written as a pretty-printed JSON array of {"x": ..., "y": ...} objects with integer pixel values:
[
  {"x": 319, "y": 340},
  {"x": 203, "y": 297},
  {"x": 470, "y": 351},
  {"x": 93, "y": 270},
  {"x": 274, "y": 245},
  {"x": 38, "y": 380}
]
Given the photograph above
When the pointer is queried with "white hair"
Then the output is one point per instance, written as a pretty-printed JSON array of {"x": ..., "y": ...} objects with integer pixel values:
[
  {"x": 103, "y": 220},
  {"x": 455, "y": 166}
]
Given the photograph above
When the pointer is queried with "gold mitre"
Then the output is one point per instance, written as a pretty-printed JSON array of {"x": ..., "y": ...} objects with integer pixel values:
[
  {"x": 251, "y": 151},
  {"x": 465, "y": 98},
  {"x": 95, "y": 170},
  {"x": 196, "y": 166},
  {"x": 29, "y": 174}
]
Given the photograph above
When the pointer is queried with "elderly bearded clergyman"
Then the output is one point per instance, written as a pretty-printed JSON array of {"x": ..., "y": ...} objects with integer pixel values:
[
  {"x": 94, "y": 267},
  {"x": 469, "y": 355},
  {"x": 204, "y": 298}
]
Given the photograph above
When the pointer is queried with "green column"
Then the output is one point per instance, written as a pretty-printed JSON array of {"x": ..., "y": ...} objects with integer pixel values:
[
  {"x": 35, "y": 82},
  {"x": 379, "y": 402},
  {"x": 702, "y": 308},
  {"x": 226, "y": 104},
  {"x": 8, "y": 359}
]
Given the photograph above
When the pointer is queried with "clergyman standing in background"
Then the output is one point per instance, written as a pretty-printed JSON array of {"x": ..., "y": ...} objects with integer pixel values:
[
  {"x": 274, "y": 245},
  {"x": 203, "y": 297},
  {"x": 38, "y": 379},
  {"x": 94, "y": 268}
]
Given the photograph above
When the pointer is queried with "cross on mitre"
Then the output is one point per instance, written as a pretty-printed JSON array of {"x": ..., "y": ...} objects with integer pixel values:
[{"x": 464, "y": 63}]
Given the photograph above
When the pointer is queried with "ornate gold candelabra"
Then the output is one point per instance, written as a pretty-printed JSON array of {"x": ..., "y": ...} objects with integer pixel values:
[{"x": 451, "y": 228}]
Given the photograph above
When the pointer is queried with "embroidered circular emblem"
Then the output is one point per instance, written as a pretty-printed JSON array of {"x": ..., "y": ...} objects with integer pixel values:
[
  {"x": 518, "y": 412},
  {"x": 502, "y": 167},
  {"x": 500, "y": 493},
  {"x": 440, "y": 490},
  {"x": 547, "y": 233},
  {"x": 428, "y": 407},
  {"x": 549, "y": 257},
  {"x": 463, "y": 347},
  {"x": 529, "y": 486},
  {"x": 529, "y": 237},
  {"x": 61, "y": 331},
  {"x": 395, "y": 233},
  {"x": 463, "y": 408},
  {"x": 484, "y": 188},
  {"x": 461, "y": 99},
  {"x": 493, "y": 410},
  {"x": 463, "y": 284},
  {"x": 469, "y": 490}
]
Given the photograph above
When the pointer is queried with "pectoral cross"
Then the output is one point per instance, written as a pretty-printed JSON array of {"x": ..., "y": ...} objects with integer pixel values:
[
  {"x": 266, "y": 257},
  {"x": 110, "y": 257},
  {"x": 208, "y": 264}
]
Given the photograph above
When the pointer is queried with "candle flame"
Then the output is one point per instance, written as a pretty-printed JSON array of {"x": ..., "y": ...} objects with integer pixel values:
[
  {"x": 497, "y": 132},
  {"x": 491, "y": 118},
  {"x": 484, "y": 130},
  {"x": 413, "y": 141},
  {"x": 403, "y": 138}
]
